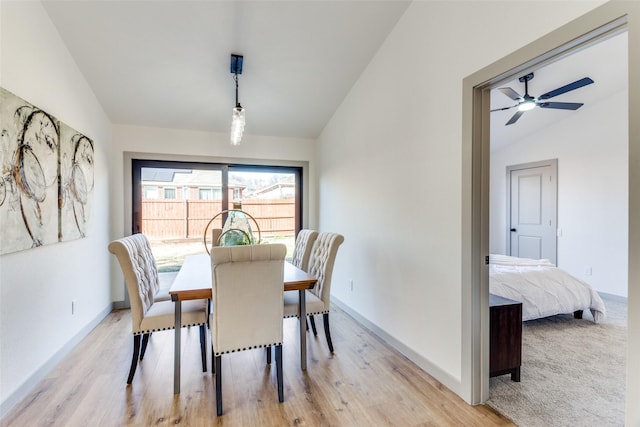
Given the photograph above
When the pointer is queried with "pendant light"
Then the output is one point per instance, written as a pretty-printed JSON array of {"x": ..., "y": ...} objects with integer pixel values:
[{"x": 237, "y": 119}]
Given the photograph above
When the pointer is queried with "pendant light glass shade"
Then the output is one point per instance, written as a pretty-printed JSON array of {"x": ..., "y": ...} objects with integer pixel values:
[{"x": 237, "y": 125}]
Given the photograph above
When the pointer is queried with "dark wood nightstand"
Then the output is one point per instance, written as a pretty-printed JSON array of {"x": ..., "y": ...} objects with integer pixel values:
[{"x": 505, "y": 341}]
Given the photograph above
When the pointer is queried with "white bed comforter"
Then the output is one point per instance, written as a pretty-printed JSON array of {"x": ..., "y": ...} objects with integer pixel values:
[{"x": 543, "y": 289}]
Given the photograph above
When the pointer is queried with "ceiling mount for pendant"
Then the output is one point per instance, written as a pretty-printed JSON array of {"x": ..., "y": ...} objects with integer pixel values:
[{"x": 236, "y": 63}]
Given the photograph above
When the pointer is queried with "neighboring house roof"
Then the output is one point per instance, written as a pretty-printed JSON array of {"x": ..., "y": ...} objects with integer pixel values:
[
  {"x": 281, "y": 188},
  {"x": 158, "y": 174},
  {"x": 184, "y": 178}
]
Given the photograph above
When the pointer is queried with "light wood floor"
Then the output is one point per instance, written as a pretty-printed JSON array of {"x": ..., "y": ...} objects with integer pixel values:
[{"x": 365, "y": 383}]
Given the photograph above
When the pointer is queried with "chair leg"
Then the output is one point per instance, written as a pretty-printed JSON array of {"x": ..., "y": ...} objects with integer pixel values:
[
  {"x": 325, "y": 317},
  {"x": 134, "y": 360},
  {"x": 213, "y": 361},
  {"x": 218, "y": 368},
  {"x": 203, "y": 348},
  {"x": 279, "y": 372},
  {"x": 313, "y": 325},
  {"x": 268, "y": 355},
  {"x": 145, "y": 340}
]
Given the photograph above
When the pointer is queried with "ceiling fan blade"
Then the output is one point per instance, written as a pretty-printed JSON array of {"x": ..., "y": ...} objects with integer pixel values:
[
  {"x": 561, "y": 105},
  {"x": 567, "y": 88},
  {"x": 510, "y": 93},
  {"x": 514, "y": 118},
  {"x": 504, "y": 108}
]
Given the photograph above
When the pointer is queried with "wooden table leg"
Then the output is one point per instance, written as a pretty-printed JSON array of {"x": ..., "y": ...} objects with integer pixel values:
[
  {"x": 303, "y": 329},
  {"x": 176, "y": 354}
]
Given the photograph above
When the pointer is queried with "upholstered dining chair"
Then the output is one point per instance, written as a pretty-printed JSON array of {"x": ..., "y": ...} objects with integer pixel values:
[
  {"x": 158, "y": 286},
  {"x": 147, "y": 313},
  {"x": 247, "y": 292},
  {"x": 321, "y": 261},
  {"x": 302, "y": 248}
]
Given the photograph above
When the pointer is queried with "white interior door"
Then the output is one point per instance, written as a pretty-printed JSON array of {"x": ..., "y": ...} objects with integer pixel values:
[{"x": 533, "y": 210}]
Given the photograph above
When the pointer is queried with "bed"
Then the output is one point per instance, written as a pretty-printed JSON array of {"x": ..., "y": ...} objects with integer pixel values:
[{"x": 543, "y": 289}]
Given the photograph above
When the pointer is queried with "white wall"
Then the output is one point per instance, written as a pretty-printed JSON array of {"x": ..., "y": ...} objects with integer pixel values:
[
  {"x": 592, "y": 151},
  {"x": 38, "y": 285},
  {"x": 390, "y": 171},
  {"x": 175, "y": 144},
  {"x": 388, "y": 178}
]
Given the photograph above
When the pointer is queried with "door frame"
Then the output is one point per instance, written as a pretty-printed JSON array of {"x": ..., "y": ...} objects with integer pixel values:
[
  {"x": 553, "y": 163},
  {"x": 606, "y": 20}
]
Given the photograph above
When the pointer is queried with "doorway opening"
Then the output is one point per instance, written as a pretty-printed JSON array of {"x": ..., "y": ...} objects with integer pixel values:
[
  {"x": 590, "y": 186},
  {"x": 476, "y": 172}
]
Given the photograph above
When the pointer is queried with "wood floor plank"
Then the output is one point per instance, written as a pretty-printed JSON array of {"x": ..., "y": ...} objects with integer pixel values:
[{"x": 365, "y": 382}]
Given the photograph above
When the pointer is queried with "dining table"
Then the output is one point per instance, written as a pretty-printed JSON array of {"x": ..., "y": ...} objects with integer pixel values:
[{"x": 193, "y": 281}]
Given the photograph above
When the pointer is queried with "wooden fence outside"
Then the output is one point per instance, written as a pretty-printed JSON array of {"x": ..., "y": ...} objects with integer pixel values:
[{"x": 186, "y": 219}]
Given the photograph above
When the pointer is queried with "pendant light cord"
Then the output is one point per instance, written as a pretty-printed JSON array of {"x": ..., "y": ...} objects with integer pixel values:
[{"x": 235, "y": 77}]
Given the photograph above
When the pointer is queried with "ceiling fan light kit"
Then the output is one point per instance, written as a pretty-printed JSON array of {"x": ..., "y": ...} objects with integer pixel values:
[{"x": 527, "y": 102}]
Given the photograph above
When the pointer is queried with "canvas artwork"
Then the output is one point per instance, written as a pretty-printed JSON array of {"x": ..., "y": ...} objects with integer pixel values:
[
  {"x": 46, "y": 177},
  {"x": 76, "y": 183}
]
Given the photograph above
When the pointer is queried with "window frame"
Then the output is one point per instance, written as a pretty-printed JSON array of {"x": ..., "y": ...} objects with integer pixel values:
[
  {"x": 225, "y": 168},
  {"x": 153, "y": 188},
  {"x": 205, "y": 190},
  {"x": 175, "y": 193}
]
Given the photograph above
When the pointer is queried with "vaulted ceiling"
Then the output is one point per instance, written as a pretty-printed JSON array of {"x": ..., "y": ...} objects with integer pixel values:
[{"x": 166, "y": 63}]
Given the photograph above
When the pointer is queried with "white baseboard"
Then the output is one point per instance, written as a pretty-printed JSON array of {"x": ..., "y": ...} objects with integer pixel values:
[
  {"x": 612, "y": 297},
  {"x": 26, "y": 387},
  {"x": 120, "y": 305},
  {"x": 445, "y": 378}
]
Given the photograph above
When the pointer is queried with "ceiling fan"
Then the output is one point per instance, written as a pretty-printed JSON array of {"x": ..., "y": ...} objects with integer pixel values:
[{"x": 528, "y": 102}]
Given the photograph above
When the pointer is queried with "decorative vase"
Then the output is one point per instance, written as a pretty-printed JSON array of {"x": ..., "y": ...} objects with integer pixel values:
[{"x": 236, "y": 229}]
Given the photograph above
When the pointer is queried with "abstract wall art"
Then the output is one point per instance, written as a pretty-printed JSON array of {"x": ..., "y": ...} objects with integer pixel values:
[
  {"x": 46, "y": 177},
  {"x": 76, "y": 183}
]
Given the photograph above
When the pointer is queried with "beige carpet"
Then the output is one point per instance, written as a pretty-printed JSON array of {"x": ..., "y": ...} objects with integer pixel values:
[{"x": 573, "y": 372}]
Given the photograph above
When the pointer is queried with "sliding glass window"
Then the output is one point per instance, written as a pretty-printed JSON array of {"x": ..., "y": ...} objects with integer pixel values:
[{"x": 173, "y": 202}]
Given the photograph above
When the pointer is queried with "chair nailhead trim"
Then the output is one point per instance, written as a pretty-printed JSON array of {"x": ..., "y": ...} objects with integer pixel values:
[
  {"x": 246, "y": 348},
  {"x": 308, "y": 314},
  {"x": 166, "y": 329}
]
